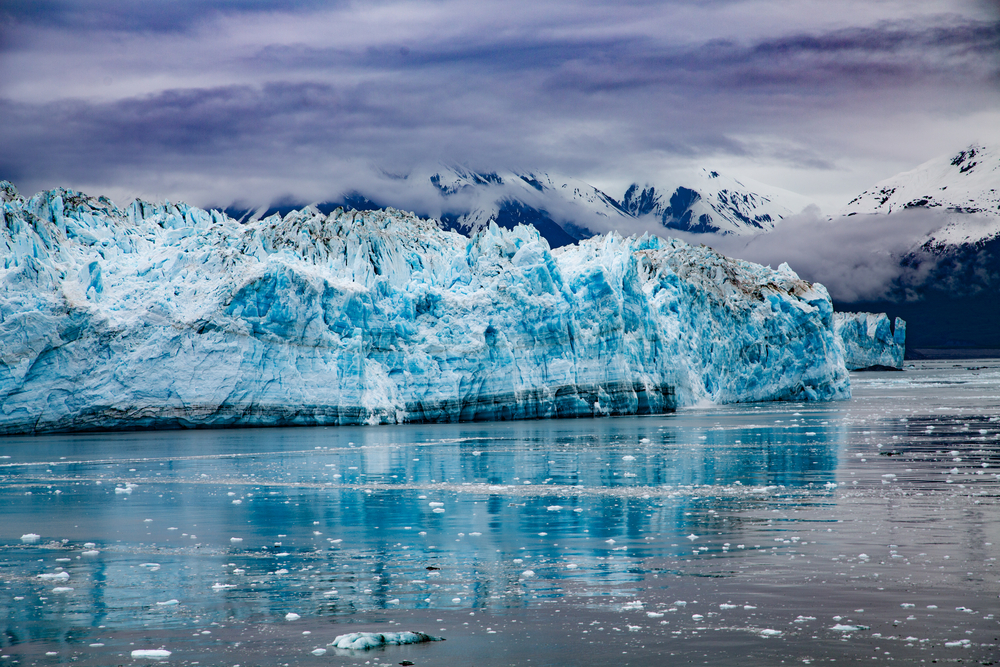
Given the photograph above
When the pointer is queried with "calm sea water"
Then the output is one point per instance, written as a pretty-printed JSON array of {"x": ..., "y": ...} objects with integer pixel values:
[{"x": 804, "y": 533}]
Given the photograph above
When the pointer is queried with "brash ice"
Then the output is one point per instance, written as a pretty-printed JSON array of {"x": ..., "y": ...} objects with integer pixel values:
[{"x": 165, "y": 315}]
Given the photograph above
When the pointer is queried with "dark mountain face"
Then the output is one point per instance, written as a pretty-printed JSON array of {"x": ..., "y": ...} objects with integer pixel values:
[
  {"x": 955, "y": 309},
  {"x": 514, "y": 213}
]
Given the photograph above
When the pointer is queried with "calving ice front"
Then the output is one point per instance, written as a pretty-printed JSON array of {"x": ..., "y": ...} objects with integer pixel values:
[{"x": 163, "y": 315}]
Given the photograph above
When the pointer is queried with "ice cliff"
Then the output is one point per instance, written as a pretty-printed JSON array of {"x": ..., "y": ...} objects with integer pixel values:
[
  {"x": 165, "y": 315},
  {"x": 870, "y": 341}
]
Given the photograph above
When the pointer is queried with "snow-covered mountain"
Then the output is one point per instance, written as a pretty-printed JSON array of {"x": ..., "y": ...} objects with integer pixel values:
[
  {"x": 564, "y": 209},
  {"x": 165, "y": 315},
  {"x": 708, "y": 202},
  {"x": 949, "y": 281},
  {"x": 964, "y": 186}
]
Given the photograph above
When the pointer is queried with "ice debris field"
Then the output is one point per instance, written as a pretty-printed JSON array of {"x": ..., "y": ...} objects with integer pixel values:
[{"x": 177, "y": 316}]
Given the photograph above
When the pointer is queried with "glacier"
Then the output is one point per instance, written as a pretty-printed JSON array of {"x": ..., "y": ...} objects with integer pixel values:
[
  {"x": 160, "y": 315},
  {"x": 870, "y": 341}
]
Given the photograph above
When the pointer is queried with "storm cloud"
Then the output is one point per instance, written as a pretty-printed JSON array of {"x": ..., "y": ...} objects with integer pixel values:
[{"x": 226, "y": 101}]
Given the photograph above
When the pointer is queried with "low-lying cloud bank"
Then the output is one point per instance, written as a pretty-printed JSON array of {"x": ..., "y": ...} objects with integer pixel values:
[{"x": 857, "y": 258}]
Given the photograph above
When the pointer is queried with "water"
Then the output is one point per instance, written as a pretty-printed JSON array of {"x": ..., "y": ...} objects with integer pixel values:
[{"x": 807, "y": 533}]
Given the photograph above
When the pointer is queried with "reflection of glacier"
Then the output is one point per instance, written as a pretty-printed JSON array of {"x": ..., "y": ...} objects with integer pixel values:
[
  {"x": 327, "y": 528},
  {"x": 166, "y": 315}
]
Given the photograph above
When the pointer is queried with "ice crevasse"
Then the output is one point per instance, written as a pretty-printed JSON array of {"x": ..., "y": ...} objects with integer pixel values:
[{"x": 165, "y": 315}]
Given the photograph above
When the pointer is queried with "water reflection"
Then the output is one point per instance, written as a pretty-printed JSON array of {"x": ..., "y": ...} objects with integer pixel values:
[{"x": 247, "y": 524}]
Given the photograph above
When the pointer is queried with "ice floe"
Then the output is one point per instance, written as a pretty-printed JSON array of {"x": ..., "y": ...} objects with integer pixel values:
[{"x": 367, "y": 640}]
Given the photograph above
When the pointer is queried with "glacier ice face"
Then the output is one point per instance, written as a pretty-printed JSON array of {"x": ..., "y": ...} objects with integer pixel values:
[
  {"x": 870, "y": 341},
  {"x": 165, "y": 315}
]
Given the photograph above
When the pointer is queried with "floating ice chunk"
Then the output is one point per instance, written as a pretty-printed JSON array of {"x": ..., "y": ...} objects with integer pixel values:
[
  {"x": 156, "y": 653},
  {"x": 234, "y": 540},
  {"x": 696, "y": 617},
  {"x": 843, "y": 627},
  {"x": 769, "y": 632},
  {"x": 54, "y": 576},
  {"x": 692, "y": 537},
  {"x": 554, "y": 508},
  {"x": 62, "y": 589},
  {"x": 435, "y": 504},
  {"x": 292, "y": 616},
  {"x": 220, "y": 587},
  {"x": 168, "y": 603},
  {"x": 864, "y": 556},
  {"x": 654, "y": 614},
  {"x": 804, "y": 619},
  {"x": 748, "y": 607},
  {"x": 727, "y": 606},
  {"x": 318, "y": 651},
  {"x": 362, "y": 641},
  {"x": 628, "y": 457},
  {"x": 89, "y": 552},
  {"x": 571, "y": 566},
  {"x": 527, "y": 574},
  {"x": 456, "y": 600},
  {"x": 907, "y": 605},
  {"x": 961, "y": 643},
  {"x": 438, "y": 510},
  {"x": 28, "y": 538},
  {"x": 237, "y": 502},
  {"x": 124, "y": 489},
  {"x": 633, "y": 605}
]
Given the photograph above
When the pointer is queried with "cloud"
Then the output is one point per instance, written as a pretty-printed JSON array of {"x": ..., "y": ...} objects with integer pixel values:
[
  {"x": 857, "y": 258},
  {"x": 222, "y": 100}
]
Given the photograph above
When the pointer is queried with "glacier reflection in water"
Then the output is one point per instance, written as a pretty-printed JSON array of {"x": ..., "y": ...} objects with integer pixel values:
[{"x": 765, "y": 520}]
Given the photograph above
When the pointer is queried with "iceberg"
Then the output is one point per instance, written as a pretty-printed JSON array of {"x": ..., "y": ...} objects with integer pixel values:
[
  {"x": 870, "y": 341},
  {"x": 362, "y": 641},
  {"x": 161, "y": 315}
]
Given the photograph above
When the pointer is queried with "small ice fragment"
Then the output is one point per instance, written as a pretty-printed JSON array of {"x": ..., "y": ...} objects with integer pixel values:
[
  {"x": 58, "y": 576},
  {"x": 235, "y": 539},
  {"x": 768, "y": 632},
  {"x": 362, "y": 641},
  {"x": 292, "y": 616},
  {"x": 554, "y": 508},
  {"x": 748, "y": 607},
  {"x": 456, "y": 600},
  {"x": 692, "y": 537},
  {"x": 123, "y": 489},
  {"x": 318, "y": 651},
  {"x": 628, "y": 457},
  {"x": 696, "y": 617},
  {"x": 961, "y": 643},
  {"x": 438, "y": 510},
  {"x": 28, "y": 538},
  {"x": 863, "y": 556},
  {"x": 906, "y": 605},
  {"x": 528, "y": 573},
  {"x": 609, "y": 541},
  {"x": 62, "y": 589},
  {"x": 435, "y": 504},
  {"x": 634, "y": 604},
  {"x": 727, "y": 606},
  {"x": 654, "y": 614},
  {"x": 156, "y": 653},
  {"x": 219, "y": 587},
  {"x": 571, "y": 566},
  {"x": 90, "y": 552},
  {"x": 842, "y": 627},
  {"x": 804, "y": 619},
  {"x": 168, "y": 603},
  {"x": 237, "y": 502}
]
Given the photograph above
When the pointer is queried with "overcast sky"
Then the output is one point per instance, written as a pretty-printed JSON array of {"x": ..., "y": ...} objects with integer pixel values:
[{"x": 216, "y": 101}]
